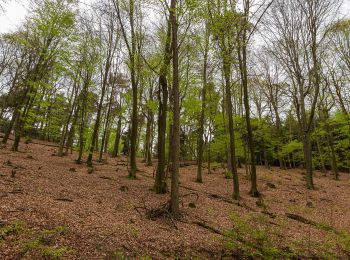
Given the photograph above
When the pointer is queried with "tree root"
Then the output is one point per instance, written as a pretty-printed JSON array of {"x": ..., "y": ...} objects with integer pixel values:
[
  {"x": 188, "y": 195},
  {"x": 206, "y": 226},
  {"x": 162, "y": 211}
]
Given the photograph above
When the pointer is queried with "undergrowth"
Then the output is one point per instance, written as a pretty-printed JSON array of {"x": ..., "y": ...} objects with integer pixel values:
[
  {"x": 254, "y": 236},
  {"x": 34, "y": 243},
  {"x": 12, "y": 229}
]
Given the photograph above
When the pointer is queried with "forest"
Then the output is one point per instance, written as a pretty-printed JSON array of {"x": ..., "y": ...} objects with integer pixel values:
[{"x": 176, "y": 129}]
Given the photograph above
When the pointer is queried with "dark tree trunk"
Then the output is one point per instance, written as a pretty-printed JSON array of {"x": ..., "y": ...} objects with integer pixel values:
[
  {"x": 117, "y": 137},
  {"x": 160, "y": 182},
  {"x": 148, "y": 142},
  {"x": 106, "y": 126},
  {"x": 10, "y": 127},
  {"x": 20, "y": 120},
  {"x": 83, "y": 115},
  {"x": 94, "y": 139}
]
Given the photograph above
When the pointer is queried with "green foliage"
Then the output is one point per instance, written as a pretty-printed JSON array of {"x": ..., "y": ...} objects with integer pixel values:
[
  {"x": 120, "y": 255},
  {"x": 228, "y": 175},
  {"x": 42, "y": 242},
  {"x": 55, "y": 253},
  {"x": 344, "y": 242},
  {"x": 50, "y": 252},
  {"x": 254, "y": 237},
  {"x": 152, "y": 105},
  {"x": 293, "y": 149},
  {"x": 47, "y": 235},
  {"x": 340, "y": 26},
  {"x": 39, "y": 243},
  {"x": 342, "y": 139},
  {"x": 338, "y": 125},
  {"x": 12, "y": 229}
]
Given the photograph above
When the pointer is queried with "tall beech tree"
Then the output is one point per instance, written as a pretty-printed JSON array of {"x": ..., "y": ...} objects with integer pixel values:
[
  {"x": 297, "y": 32},
  {"x": 163, "y": 95},
  {"x": 204, "y": 100},
  {"x": 132, "y": 41},
  {"x": 174, "y": 202},
  {"x": 223, "y": 23},
  {"x": 109, "y": 46}
]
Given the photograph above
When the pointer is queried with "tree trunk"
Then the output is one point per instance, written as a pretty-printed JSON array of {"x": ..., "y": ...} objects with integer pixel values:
[
  {"x": 94, "y": 139},
  {"x": 331, "y": 145},
  {"x": 10, "y": 127},
  {"x": 242, "y": 57},
  {"x": 106, "y": 125},
  {"x": 148, "y": 143},
  {"x": 232, "y": 151},
  {"x": 83, "y": 115},
  {"x": 160, "y": 182},
  {"x": 66, "y": 125},
  {"x": 117, "y": 137},
  {"x": 308, "y": 159},
  {"x": 70, "y": 137},
  {"x": 201, "y": 121},
  {"x": 174, "y": 202}
]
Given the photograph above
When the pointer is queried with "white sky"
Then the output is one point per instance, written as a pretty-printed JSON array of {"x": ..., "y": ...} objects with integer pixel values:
[{"x": 16, "y": 10}]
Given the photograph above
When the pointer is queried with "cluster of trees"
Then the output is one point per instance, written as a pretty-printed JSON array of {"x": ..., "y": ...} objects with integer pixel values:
[{"x": 254, "y": 82}]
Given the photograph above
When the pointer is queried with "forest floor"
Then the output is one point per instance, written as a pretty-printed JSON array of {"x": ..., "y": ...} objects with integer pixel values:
[{"x": 52, "y": 207}]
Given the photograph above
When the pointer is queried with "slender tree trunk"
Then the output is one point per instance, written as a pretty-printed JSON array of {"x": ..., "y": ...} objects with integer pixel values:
[
  {"x": 94, "y": 139},
  {"x": 134, "y": 125},
  {"x": 232, "y": 153},
  {"x": 83, "y": 115},
  {"x": 10, "y": 127},
  {"x": 105, "y": 132},
  {"x": 66, "y": 125},
  {"x": 208, "y": 153},
  {"x": 148, "y": 144},
  {"x": 320, "y": 152},
  {"x": 174, "y": 202},
  {"x": 201, "y": 121},
  {"x": 315, "y": 74},
  {"x": 242, "y": 57},
  {"x": 334, "y": 158},
  {"x": 160, "y": 182},
  {"x": 20, "y": 121},
  {"x": 227, "y": 131},
  {"x": 117, "y": 137},
  {"x": 71, "y": 133},
  {"x": 331, "y": 145}
]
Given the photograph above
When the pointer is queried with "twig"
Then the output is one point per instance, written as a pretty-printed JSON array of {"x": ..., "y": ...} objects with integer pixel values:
[{"x": 64, "y": 199}]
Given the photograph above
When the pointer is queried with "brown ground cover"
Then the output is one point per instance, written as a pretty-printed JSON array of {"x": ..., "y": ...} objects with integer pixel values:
[{"x": 50, "y": 206}]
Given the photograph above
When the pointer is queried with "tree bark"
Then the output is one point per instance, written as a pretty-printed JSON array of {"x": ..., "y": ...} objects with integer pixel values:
[
  {"x": 174, "y": 201},
  {"x": 117, "y": 137},
  {"x": 201, "y": 121},
  {"x": 232, "y": 151},
  {"x": 242, "y": 57},
  {"x": 160, "y": 185}
]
